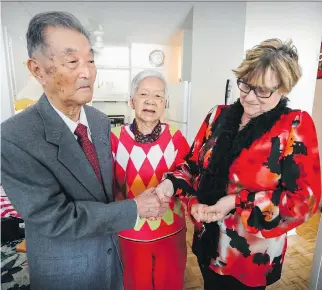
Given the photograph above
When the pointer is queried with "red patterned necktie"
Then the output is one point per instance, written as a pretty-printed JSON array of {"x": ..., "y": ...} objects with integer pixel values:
[{"x": 88, "y": 148}]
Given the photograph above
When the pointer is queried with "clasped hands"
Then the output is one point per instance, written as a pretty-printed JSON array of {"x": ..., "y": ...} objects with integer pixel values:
[
  {"x": 212, "y": 213},
  {"x": 153, "y": 202}
]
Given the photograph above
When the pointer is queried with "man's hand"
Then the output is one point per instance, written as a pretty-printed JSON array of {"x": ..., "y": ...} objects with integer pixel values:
[
  {"x": 165, "y": 190},
  {"x": 220, "y": 209},
  {"x": 149, "y": 204}
]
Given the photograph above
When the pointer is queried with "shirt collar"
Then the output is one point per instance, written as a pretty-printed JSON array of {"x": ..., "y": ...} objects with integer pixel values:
[{"x": 72, "y": 124}]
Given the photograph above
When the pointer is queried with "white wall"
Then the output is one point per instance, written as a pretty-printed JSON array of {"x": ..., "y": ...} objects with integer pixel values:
[
  {"x": 20, "y": 57},
  {"x": 186, "y": 55},
  {"x": 217, "y": 48},
  {"x": 302, "y": 22},
  {"x": 6, "y": 99}
]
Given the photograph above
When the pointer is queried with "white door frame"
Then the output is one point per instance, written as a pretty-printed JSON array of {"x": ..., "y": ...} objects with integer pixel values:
[{"x": 316, "y": 272}]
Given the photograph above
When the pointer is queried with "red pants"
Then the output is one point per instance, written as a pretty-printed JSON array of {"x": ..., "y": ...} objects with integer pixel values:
[{"x": 158, "y": 265}]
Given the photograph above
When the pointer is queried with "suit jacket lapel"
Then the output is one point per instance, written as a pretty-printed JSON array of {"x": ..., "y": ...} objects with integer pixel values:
[
  {"x": 100, "y": 137},
  {"x": 70, "y": 154}
]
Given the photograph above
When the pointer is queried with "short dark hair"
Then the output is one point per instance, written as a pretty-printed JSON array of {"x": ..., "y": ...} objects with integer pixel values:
[{"x": 37, "y": 25}]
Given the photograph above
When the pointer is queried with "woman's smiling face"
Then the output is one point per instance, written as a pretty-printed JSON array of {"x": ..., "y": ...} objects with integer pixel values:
[{"x": 149, "y": 100}]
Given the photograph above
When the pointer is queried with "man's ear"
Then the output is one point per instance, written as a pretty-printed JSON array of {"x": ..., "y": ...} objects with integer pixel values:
[{"x": 36, "y": 70}]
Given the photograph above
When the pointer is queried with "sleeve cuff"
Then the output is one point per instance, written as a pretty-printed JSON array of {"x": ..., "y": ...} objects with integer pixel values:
[
  {"x": 137, "y": 214},
  {"x": 137, "y": 220},
  {"x": 192, "y": 200},
  {"x": 173, "y": 180}
]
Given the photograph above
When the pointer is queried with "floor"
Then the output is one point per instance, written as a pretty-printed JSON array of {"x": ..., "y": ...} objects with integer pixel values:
[{"x": 297, "y": 265}]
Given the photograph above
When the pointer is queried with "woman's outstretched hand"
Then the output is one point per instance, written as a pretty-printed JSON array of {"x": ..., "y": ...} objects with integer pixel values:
[{"x": 213, "y": 213}]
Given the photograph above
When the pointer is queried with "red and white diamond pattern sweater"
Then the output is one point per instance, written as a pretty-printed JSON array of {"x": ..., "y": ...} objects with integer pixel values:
[{"x": 138, "y": 166}]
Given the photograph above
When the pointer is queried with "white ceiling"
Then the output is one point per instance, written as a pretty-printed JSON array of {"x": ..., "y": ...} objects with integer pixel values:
[{"x": 154, "y": 22}]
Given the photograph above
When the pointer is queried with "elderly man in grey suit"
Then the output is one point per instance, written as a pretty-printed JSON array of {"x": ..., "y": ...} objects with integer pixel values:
[{"x": 57, "y": 167}]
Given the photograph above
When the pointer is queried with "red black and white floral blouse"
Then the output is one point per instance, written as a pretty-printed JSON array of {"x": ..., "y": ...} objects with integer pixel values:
[{"x": 273, "y": 169}]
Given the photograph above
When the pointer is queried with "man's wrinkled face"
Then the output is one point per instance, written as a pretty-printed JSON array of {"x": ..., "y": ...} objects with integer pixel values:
[{"x": 68, "y": 68}]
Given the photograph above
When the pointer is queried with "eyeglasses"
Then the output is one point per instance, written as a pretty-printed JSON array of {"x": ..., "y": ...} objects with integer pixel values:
[{"x": 264, "y": 93}]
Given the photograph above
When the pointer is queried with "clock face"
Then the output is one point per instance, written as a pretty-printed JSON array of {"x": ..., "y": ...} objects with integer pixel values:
[{"x": 156, "y": 58}]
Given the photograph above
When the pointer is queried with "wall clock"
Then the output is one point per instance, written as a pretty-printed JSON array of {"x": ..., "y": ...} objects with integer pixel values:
[{"x": 156, "y": 58}]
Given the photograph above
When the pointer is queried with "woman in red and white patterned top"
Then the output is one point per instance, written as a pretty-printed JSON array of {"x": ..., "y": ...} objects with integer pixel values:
[
  {"x": 154, "y": 251},
  {"x": 252, "y": 174}
]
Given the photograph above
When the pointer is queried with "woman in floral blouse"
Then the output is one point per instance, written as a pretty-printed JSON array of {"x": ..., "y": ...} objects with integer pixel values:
[{"x": 252, "y": 174}]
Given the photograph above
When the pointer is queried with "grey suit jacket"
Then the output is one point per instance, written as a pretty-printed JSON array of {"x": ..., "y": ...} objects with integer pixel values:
[{"x": 70, "y": 218}]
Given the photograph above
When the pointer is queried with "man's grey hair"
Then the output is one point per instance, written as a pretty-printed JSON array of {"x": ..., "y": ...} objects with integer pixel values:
[
  {"x": 36, "y": 39},
  {"x": 146, "y": 74}
]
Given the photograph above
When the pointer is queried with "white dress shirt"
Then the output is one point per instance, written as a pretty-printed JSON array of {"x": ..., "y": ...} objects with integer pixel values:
[{"x": 72, "y": 125}]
